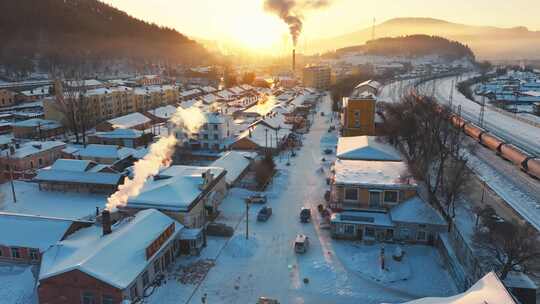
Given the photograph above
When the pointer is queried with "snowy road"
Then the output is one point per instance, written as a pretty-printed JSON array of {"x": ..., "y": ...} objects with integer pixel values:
[{"x": 266, "y": 264}]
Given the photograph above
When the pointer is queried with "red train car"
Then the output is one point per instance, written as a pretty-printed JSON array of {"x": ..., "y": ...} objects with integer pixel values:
[
  {"x": 491, "y": 141},
  {"x": 457, "y": 121},
  {"x": 532, "y": 167},
  {"x": 513, "y": 154},
  {"x": 473, "y": 131}
]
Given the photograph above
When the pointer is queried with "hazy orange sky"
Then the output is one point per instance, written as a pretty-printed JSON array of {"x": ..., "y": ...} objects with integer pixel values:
[{"x": 246, "y": 22}]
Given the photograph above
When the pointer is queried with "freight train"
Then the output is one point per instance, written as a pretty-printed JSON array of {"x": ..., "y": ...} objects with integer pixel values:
[{"x": 509, "y": 152}]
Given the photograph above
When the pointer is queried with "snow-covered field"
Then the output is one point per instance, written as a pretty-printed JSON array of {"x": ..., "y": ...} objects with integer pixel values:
[
  {"x": 49, "y": 203},
  {"x": 17, "y": 285},
  {"x": 266, "y": 265}
]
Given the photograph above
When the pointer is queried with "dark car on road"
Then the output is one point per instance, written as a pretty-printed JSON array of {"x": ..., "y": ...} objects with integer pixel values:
[
  {"x": 264, "y": 214},
  {"x": 305, "y": 215}
]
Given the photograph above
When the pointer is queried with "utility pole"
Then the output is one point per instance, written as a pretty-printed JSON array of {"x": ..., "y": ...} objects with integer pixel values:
[
  {"x": 451, "y": 100},
  {"x": 266, "y": 140},
  {"x": 11, "y": 178},
  {"x": 482, "y": 111},
  {"x": 247, "y": 219}
]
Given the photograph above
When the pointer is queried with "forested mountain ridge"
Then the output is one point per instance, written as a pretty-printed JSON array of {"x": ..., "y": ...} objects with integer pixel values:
[
  {"x": 414, "y": 46},
  {"x": 63, "y": 33}
]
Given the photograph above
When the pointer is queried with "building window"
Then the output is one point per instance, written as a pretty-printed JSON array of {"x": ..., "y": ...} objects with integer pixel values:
[
  {"x": 374, "y": 199},
  {"x": 34, "y": 254},
  {"x": 357, "y": 113},
  {"x": 145, "y": 279},
  {"x": 215, "y": 127},
  {"x": 370, "y": 232},
  {"x": 404, "y": 233},
  {"x": 216, "y": 137},
  {"x": 134, "y": 292},
  {"x": 15, "y": 253},
  {"x": 351, "y": 194},
  {"x": 107, "y": 299},
  {"x": 88, "y": 298},
  {"x": 391, "y": 197},
  {"x": 421, "y": 235},
  {"x": 157, "y": 268},
  {"x": 40, "y": 161},
  {"x": 348, "y": 229}
]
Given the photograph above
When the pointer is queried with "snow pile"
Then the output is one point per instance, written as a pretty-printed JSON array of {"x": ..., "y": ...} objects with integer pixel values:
[
  {"x": 18, "y": 285},
  {"x": 239, "y": 247}
]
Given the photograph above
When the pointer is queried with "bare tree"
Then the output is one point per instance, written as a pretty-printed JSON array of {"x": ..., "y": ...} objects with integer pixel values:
[
  {"x": 508, "y": 246},
  {"x": 76, "y": 110}
]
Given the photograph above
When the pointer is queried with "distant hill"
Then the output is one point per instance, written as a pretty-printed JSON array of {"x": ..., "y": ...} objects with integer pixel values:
[
  {"x": 60, "y": 33},
  {"x": 487, "y": 42},
  {"x": 413, "y": 46}
]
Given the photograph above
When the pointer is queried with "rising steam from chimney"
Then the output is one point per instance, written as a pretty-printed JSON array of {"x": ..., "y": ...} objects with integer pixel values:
[
  {"x": 159, "y": 156},
  {"x": 290, "y": 11}
]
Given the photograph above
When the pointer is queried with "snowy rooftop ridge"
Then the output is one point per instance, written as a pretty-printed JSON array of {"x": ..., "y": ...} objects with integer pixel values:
[
  {"x": 366, "y": 148},
  {"x": 382, "y": 174},
  {"x": 117, "y": 258},
  {"x": 488, "y": 290},
  {"x": 234, "y": 162}
]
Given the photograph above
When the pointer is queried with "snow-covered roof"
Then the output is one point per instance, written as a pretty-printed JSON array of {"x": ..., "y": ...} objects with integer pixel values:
[
  {"x": 34, "y": 147},
  {"x": 234, "y": 163},
  {"x": 362, "y": 217},
  {"x": 366, "y": 148},
  {"x": 103, "y": 91},
  {"x": 31, "y": 231},
  {"x": 74, "y": 165},
  {"x": 129, "y": 121},
  {"x": 209, "y": 98},
  {"x": 117, "y": 258},
  {"x": 261, "y": 137},
  {"x": 84, "y": 177},
  {"x": 516, "y": 279},
  {"x": 120, "y": 133},
  {"x": 190, "y": 93},
  {"x": 488, "y": 289},
  {"x": 164, "y": 112},
  {"x": 416, "y": 210},
  {"x": 105, "y": 151},
  {"x": 175, "y": 188},
  {"x": 38, "y": 122},
  {"x": 373, "y": 173}
]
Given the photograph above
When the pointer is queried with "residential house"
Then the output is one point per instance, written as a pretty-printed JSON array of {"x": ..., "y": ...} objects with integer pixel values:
[
  {"x": 212, "y": 135},
  {"x": 186, "y": 193},
  {"x": 37, "y": 128},
  {"x": 22, "y": 159},
  {"x": 317, "y": 77},
  {"x": 71, "y": 175},
  {"x": 104, "y": 154},
  {"x": 134, "y": 120},
  {"x": 24, "y": 238},
  {"x": 150, "y": 97},
  {"x": 261, "y": 137},
  {"x": 109, "y": 263},
  {"x": 7, "y": 98},
  {"x": 236, "y": 164},
  {"x": 129, "y": 138}
]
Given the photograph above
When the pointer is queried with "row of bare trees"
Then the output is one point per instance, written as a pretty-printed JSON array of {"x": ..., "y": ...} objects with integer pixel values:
[{"x": 435, "y": 151}]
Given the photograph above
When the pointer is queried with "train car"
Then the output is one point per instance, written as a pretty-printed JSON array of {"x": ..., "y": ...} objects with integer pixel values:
[
  {"x": 513, "y": 154},
  {"x": 473, "y": 131},
  {"x": 532, "y": 167},
  {"x": 491, "y": 141},
  {"x": 457, "y": 121}
]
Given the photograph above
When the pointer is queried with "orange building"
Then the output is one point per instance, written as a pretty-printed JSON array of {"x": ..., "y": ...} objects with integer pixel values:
[{"x": 359, "y": 110}]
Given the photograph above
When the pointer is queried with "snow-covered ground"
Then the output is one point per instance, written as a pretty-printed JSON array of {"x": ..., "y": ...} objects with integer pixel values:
[
  {"x": 266, "y": 265},
  {"x": 49, "y": 203},
  {"x": 17, "y": 284}
]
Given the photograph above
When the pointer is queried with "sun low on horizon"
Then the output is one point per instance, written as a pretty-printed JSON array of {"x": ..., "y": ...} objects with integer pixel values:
[{"x": 246, "y": 25}]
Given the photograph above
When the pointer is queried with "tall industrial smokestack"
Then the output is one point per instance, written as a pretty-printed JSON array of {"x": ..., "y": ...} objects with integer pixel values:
[{"x": 294, "y": 60}]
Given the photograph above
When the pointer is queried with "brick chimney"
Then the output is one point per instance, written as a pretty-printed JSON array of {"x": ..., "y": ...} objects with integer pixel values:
[{"x": 106, "y": 222}]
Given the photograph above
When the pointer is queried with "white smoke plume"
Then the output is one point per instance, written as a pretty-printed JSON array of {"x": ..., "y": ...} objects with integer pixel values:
[
  {"x": 290, "y": 11},
  {"x": 158, "y": 157}
]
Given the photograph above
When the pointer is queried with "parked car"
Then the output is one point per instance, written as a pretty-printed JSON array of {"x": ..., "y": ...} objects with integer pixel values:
[
  {"x": 256, "y": 199},
  {"x": 218, "y": 229},
  {"x": 301, "y": 243},
  {"x": 264, "y": 300},
  {"x": 305, "y": 215},
  {"x": 328, "y": 151},
  {"x": 264, "y": 214}
]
